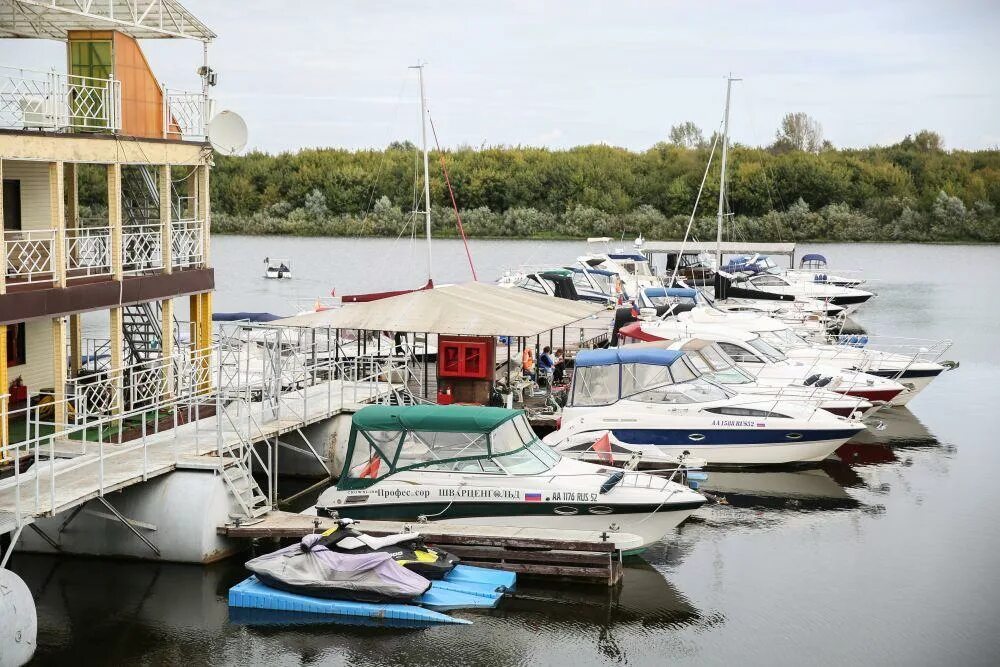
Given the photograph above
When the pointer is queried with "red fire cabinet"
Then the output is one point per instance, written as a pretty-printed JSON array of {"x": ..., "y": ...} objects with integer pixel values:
[{"x": 468, "y": 357}]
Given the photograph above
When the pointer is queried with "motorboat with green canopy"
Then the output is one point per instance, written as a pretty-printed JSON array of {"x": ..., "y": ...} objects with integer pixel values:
[{"x": 475, "y": 465}]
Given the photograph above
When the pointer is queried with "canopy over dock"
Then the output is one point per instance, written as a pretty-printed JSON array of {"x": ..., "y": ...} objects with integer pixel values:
[{"x": 470, "y": 309}]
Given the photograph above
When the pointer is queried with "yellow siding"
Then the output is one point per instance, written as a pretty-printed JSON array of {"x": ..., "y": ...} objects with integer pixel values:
[
  {"x": 34, "y": 177},
  {"x": 36, "y": 372}
]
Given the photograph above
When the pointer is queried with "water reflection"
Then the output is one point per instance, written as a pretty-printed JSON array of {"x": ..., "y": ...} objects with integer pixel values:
[{"x": 824, "y": 488}]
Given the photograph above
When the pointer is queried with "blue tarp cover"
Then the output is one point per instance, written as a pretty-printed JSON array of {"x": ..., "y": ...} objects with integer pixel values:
[{"x": 626, "y": 355}]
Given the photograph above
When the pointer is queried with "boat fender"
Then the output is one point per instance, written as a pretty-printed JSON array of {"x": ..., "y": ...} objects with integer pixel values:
[
  {"x": 825, "y": 381},
  {"x": 18, "y": 620},
  {"x": 812, "y": 379},
  {"x": 612, "y": 481}
]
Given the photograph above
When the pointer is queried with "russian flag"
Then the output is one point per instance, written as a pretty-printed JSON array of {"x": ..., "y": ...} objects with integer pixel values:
[{"x": 532, "y": 497}]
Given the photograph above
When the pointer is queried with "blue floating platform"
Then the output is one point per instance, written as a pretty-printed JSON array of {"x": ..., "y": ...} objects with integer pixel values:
[
  {"x": 250, "y": 593},
  {"x": 465, "y": 587}
]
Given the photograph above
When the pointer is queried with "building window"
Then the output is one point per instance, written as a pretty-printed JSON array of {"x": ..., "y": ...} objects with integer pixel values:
[
  {"x": 16, "y": 354},
  {"x": 11, "y": 204}
]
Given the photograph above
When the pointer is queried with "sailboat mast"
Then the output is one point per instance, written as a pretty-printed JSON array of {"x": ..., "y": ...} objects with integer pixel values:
[
  {"x": 427, "y": 180},
  {"x": 722, "y": 175}
]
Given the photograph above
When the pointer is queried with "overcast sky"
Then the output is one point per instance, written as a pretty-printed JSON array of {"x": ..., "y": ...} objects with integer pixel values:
[{"x": 565, "y": 73}]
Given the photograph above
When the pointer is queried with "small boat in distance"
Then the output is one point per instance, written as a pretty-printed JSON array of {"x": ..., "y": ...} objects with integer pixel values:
[{"x": 277, "y": 269}]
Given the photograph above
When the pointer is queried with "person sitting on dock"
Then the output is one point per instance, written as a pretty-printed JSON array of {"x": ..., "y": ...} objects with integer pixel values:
[
  {"x": 559, "y": 368},
  {"x": 546, "y": 366},
  {"x": 528, "y": 363}
]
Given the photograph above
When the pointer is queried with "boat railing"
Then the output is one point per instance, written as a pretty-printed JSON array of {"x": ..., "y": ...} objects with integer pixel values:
[{"x": 924, "y": 350}]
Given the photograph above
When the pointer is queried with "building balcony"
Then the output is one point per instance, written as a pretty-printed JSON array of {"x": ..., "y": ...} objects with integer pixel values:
[
  {"x": 54, "y": 102},
  {"x": 30, "y": 257}
]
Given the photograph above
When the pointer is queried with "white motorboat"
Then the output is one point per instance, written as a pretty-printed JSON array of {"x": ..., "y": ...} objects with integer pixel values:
[
  {"x": 656, "y": 404},
  {"x": 277, "y": 269},
  {"x": 813, "y": 268},
  {"x": 810, "y": 319},
  {"x": 769, "y": 365},
  {"x": 761, "y": 273},
  {"x": 630, "y": 269},
  {"x": 473, "y": 465},
  {"x": 557, "y": 283},
  {"x": 714, "y": 364},
  {"x": 912, "y": 363}
]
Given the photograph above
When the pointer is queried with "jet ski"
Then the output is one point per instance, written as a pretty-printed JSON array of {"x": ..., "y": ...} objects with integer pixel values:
[
  {"x": 313, "y": 569},
  {"x": 407, "y": 549}
]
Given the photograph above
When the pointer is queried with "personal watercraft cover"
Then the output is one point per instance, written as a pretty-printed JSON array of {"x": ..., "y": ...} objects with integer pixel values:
[{"x": 312, "y": 569}]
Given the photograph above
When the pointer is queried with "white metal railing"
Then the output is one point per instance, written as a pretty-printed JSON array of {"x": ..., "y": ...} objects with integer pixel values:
[
  {"x": 187, "y": 243},
  {"x": 185, "y": 114},
  {"x": 31, "y": 99},
  {"x": 142, "y": 248},
  {"x": 30, "y": 255},
  {"x": 88, "y": 252}
]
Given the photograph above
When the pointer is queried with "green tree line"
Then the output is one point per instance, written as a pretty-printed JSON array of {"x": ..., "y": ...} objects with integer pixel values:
[{"x": 798, "y": 188}]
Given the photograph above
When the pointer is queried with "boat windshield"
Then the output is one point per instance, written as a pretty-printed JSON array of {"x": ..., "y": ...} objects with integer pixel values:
[
  {"x": 717, "y": 366},
  {"x": 512, "y": 448},
  {"x": 768, "y": 280},
  {"x": 783, "y": 339},
  {"x": 767, "y": 349},
  {"x": 678, "y": 383}
]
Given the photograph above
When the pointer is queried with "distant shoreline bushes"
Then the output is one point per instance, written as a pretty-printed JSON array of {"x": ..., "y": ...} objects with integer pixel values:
[{"x": 799, "y": 188}]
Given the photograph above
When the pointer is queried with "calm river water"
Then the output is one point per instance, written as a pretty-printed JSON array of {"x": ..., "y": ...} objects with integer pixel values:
[{"x": 887, "y": 556}]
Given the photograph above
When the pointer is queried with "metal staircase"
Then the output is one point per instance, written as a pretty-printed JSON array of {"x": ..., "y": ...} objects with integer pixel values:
[
  {"x": 244, "y": 489},
  {"x": 142, "y": 331}
]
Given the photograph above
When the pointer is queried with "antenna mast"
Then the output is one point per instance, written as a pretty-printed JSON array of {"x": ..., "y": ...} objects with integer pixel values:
[
  {"x": 427, "y": 182},
  {"x": 722, "y": 174}
]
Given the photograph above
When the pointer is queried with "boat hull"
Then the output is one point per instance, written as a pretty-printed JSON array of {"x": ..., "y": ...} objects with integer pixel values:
[
  {"x": 650, "y": 523},
  {"x": 730, "y": 455}
]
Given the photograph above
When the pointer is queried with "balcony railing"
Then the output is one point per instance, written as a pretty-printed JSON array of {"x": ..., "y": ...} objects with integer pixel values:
[
  {"x": 37, "y": 100},
  {"x": 187, "y": 243},
  {"x": 142, "y": 248},
  {"x": 30, "y": 256},
  {"x": 184, "y": 114},
  {"x": 88, "y": 252},
  {"x": 51, "y": 101}
]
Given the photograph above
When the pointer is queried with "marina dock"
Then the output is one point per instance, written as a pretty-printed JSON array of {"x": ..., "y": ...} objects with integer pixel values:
[{"x": 572, "y": 554}]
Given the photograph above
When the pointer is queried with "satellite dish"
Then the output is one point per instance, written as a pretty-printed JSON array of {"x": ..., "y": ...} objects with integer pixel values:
[{"x": 227, "y": 132}]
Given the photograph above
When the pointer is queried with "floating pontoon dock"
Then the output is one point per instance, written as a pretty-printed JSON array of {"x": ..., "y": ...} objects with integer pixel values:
[{"x": 576, "y": 554}]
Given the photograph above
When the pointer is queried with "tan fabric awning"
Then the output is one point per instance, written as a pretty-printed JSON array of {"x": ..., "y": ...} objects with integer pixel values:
[{"x": 473, "y": 309}]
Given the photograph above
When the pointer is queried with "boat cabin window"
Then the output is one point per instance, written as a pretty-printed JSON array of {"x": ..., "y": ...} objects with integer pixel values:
[{"x": 740, "y": 354}]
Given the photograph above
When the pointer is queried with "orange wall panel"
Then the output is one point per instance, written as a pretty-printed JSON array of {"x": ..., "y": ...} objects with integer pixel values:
[{"x": 142, "y": 98}]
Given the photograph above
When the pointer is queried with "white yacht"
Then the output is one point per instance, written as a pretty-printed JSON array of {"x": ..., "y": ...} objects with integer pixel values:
[
  {"x": 654, "y": 403},
  {"x": 769, "y": 365},
  {"x": 912, "y": 363},
  {"x": 630, "y": 268},
  {"x": 475, "y": 465},
  {"x": 717, "y": 366}
]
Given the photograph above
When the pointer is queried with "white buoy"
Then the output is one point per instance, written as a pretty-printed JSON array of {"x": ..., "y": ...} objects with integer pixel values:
[{"x": 18, "y": 621}]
